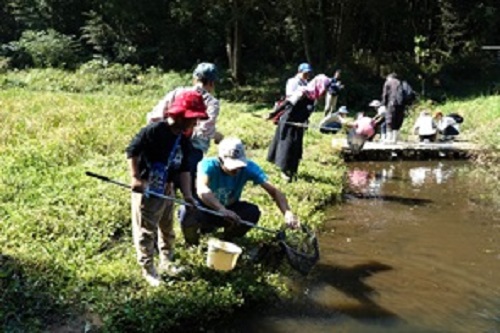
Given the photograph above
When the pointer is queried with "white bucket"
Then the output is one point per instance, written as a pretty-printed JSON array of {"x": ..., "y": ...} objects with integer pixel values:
[{"x": 222, "y": 256}]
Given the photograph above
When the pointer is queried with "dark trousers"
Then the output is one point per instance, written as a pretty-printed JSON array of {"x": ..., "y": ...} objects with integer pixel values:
[{"x": 196, "y": 222}]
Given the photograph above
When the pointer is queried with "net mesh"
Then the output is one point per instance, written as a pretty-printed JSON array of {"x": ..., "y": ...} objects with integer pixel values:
[
  {"x": 302, "y": 256},
  {"x": 301, "y": 251}
]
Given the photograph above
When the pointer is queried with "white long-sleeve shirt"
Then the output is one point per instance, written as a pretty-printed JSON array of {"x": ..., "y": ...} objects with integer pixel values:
[
  {"x": 425, "y": 125},
  {"x": 447, "y": 121},
  {"x": 293, "y": 83}
]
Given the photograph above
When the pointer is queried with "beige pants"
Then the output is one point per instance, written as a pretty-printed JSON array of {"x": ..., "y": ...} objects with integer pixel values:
[{"x": 152, "y": 218}]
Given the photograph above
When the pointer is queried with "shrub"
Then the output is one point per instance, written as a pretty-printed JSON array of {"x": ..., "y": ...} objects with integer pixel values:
[{"x": 47, "y": 48}]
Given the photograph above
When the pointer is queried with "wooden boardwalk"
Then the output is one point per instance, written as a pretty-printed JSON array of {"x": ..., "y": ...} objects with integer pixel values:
[{"x": 376, "y": 151}]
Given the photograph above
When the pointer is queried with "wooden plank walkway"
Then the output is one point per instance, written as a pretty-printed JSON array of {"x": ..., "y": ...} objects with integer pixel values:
[{"x": 376, "y": 151}]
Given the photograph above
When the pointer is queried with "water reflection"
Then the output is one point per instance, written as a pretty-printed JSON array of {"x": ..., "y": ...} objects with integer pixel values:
[{"x": 370, "y": 181}]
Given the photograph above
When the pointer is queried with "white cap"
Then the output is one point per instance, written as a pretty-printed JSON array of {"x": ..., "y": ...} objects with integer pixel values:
[
  {"x": 343, "y": 109},
  {"x": 232, "y": 153},
  {"x": 375, "y": 103}
]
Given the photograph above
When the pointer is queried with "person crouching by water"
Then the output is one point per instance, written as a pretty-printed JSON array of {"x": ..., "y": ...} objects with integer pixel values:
[
  {"x": 287, "y": 144},
  {"x": 219, "y": 183},
  {"x": 425, "y": 127},
  {"x": 381, "y": 112},
  {"x": 155, "y": 154},
  {"x": 448, "y": 126},
  {"x": 334, "y": 122},
  {"x": 363, "y": 129}
]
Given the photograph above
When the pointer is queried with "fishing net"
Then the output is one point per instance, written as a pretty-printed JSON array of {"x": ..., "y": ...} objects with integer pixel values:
[{"x": 300, "y": 248}]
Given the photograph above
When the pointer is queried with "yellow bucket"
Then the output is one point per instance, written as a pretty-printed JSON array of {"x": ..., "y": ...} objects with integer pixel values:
[{"x": 222, "y": 256}]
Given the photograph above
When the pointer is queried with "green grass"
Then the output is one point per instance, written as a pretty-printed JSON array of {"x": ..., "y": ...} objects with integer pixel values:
[
  {"x": 65, "y": 239},
  {"x": 66, "y": 252}
]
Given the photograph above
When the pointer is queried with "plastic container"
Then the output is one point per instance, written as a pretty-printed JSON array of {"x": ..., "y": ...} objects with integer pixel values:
[{"x": 222, "y": 256}]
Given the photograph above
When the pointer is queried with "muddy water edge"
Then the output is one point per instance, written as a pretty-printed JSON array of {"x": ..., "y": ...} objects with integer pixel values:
[{"x": 415, "y": 247}]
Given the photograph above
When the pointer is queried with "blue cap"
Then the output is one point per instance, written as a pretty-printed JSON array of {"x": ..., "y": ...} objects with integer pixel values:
[
  {"x": 206, "y": 71},
  {"x": 305, "y": 68}
]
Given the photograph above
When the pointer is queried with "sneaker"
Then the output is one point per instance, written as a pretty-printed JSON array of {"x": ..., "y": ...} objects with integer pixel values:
[
  {"x": 151, "y": 276},
  {"x": 286, "y": 177},
  {"x": 171, "y": 269}
]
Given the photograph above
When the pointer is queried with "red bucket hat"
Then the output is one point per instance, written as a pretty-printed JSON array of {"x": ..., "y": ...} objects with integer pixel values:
[{"x": 188, "y": 104}]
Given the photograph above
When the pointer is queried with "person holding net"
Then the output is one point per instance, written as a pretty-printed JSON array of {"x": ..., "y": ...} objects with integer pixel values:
[{"x": 219, "y": 183}]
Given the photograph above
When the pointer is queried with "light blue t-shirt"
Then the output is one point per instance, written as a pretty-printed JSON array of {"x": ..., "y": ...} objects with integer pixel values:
[{"x": 227, "y": 189}]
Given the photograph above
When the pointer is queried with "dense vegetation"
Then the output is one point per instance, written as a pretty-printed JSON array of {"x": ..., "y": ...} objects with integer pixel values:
[
  {"x": 77, "y": 78},
  {"x": 437, "y": 41}
]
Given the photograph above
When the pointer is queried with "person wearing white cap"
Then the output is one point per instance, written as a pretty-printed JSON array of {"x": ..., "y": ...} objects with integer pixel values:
[
  {"x": 381, "y": 111},
  {"x": 220, "y": 182},
  {"x": 335, "y": 121},
  {"x": 300, "y": 79}
]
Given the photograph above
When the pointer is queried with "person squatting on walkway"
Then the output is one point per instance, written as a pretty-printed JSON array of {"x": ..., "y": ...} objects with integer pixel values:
[
  {"x": 157, "y": 152},
  {"x": 204, "y": 77},
  {"x": 425, "y": 127},
  {"x": 220, "y": 182},
  {"x": 286, "y": 147}
]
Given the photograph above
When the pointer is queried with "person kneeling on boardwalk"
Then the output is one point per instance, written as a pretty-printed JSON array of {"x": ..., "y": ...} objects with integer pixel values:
[
  {"x": 448, "y": 126},
  {"x": 220, "y": 182},
  {"x": 425, "y": 127},
  {"x": 363, "y": 129}
]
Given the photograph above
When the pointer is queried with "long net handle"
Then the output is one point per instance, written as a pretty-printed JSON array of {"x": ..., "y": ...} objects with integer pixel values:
[{"x": 176, "y": 200}]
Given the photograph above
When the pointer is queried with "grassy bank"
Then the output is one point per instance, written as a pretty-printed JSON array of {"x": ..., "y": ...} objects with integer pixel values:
[{"x": 65, "y": 240}]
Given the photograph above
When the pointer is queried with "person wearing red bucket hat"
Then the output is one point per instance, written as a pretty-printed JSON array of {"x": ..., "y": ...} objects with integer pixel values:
[
  {"x": 205, "y": 76},
  {"x": 155, "y": 155}
]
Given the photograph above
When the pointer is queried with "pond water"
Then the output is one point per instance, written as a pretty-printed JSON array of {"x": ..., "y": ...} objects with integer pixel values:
[{"x": 413, "y": 249}]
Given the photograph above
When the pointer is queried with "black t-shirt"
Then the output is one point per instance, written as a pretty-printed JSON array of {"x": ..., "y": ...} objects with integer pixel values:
[{"x": 154, "y": 144}]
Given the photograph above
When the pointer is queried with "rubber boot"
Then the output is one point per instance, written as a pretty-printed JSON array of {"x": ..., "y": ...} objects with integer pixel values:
[
  {"x": 395, "y": 136},
  {"x": 388, "y": 137}
]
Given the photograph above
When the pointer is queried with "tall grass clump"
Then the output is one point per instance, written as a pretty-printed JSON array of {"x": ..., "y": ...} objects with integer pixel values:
[{"x": 66, "y": 252}]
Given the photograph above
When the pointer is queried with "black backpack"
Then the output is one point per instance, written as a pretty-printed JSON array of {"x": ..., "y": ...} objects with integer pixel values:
[
  {"x": 409, "y": 95},
  {"x": 458, "y": 118}
]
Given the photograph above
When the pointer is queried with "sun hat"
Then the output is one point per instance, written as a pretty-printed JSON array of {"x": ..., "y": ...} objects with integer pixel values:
[
  {"x": 375, "y": 103},
  {"x": 304, "y": 68},
  {"x": 187, "y": 104},
  {"x": 232, "y": 153},
  {"x": 343, "y": 109},
  {"x": 206, "y": 71}
]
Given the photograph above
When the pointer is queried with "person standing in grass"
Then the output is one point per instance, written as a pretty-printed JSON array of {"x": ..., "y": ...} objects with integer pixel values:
[
  {"x": 299, "y": 80},
  {"x": 155, "y": 155},
  {"x": 219, "y": 183},
  {"x": 205, "y": 76},
  {"x": 286, "y": 147},
  {"x": 333, "y": 93}
]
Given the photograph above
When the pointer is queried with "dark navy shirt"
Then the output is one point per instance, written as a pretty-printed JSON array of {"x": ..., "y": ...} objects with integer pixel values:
[{"x": 154, "y": 144}]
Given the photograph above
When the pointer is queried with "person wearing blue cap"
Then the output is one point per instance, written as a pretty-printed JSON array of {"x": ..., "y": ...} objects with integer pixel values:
[
  {"x": 204, "y": 77},
  {"x": 300, "y": 79}
]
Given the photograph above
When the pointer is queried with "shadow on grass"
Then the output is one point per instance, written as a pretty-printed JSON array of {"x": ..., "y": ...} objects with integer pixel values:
[{"x": 30, "y": 299}]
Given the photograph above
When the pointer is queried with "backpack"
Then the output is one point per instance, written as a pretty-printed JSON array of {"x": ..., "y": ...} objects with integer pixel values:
[
  {"x": 278, "y": 110},
  {"x": 409, "y": 95},
  {"x": 458, "y": 118}
]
